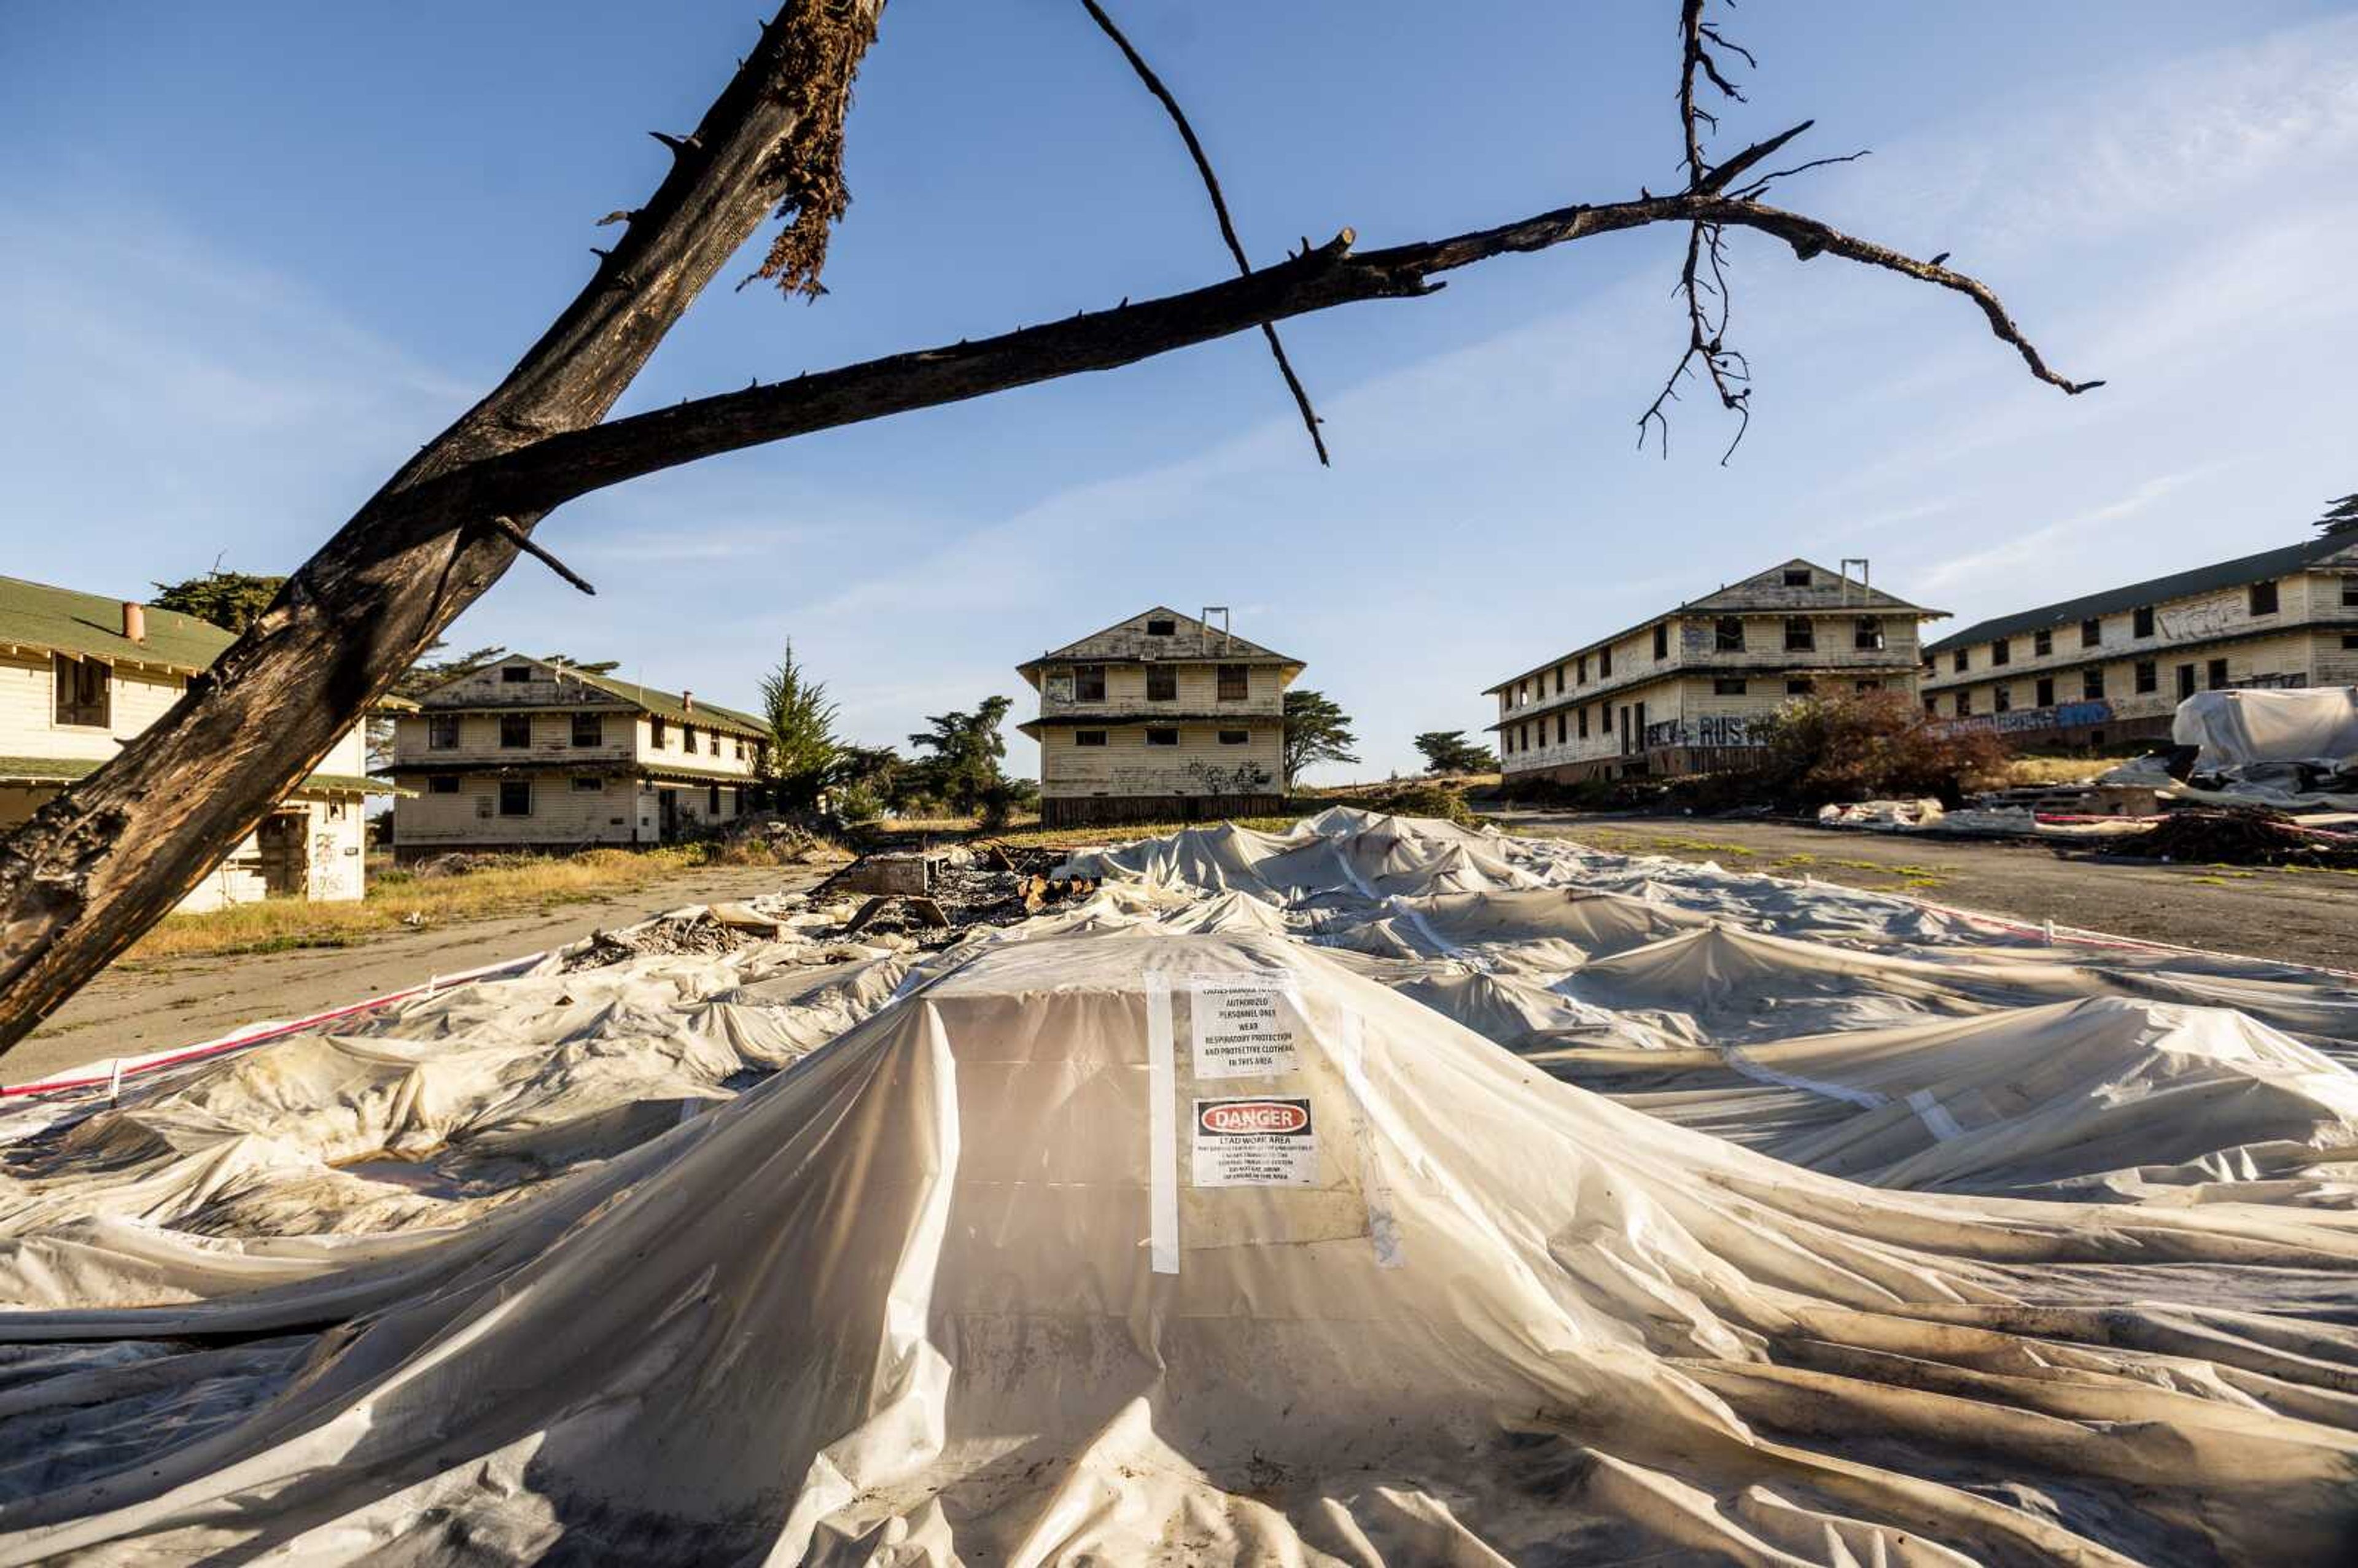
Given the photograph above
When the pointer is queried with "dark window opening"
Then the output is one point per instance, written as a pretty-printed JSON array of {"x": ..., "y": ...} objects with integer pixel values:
[
  {"x": 1800, "y": 686},
  {"x": 1797, "y": 576},
  {"x": 2350, "y": 639},
  {"x": 2092, "y": 634},
  {"x": 1161, "y": 683},
  {"x": 588, "y": 729},
  {"x": 1162, "y": 737},
  {"x": 1727, "y": 685},
  {"x": 84, "y": 695},
  {"x": 2092, "y": 682},
  {"x": 1234, "y": 737},
  {"x": 712, "y": 800},
  {"x": 2002, "y": 652},
  {"x": 1800, "y": 635},
  {"x": 1867, "y": 634},
  {"x": 2141, "y": 622},
  {"x": 1233, "y": 683},
  {"x": 2350, "y": 593},
  {"x": 2185, "y": 682},
  {"x": 687, "y": 738},
  {"x": 1581, "y": 714},
  {"x": 1604, "y": 662},
  {"x": 514, "y": 674},
  {"x": 1961, "y": 659},
  {"x": 656, "y": 734},
  {"x": 2217, "y": 673},
  {"x": 1931, "y": 706},
  {"x": 1962, "y": 702},
  {"x": 442, "y": 783},
  {"x": 1088, "y": 737},
  {"x": 2263, "y": 598},
  {"x": 1727, "y": 635},
  {"x": 1162, "y": 628},
  {"x": 1580, "y": 669},
  {"x": 2001, "y": 699},
  {"x": 2148, "y": 675},
  {"x": 1662, "y": 641},
  {"x": 2042, "y": 644},
  {"x": 1559, "y": 680},
  {"x": 584, "y": 784},
  {"x": 1089, "y": 683},
  {"x": 2046, "y": 693},
  {"x": 1869, "y": 685},
  {"x": 515, "y": 797},
  {"x": 515, "y": 730},
  {"x": 442, "y": 731},
  {"x": 1563, "y": 731}
]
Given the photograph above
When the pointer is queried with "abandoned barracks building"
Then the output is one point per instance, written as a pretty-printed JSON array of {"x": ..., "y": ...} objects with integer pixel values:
[
  {"x": 1160, "y": 716},
  {"x": 81, "y": 674},
  {"x": 527, "y": 754},
  {"x": 2114, "y": 666},
  {"x": 1680, "y": 694}
]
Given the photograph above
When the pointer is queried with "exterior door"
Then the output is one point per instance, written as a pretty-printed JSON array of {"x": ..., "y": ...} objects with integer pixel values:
[
  {"x": 2185, "y": 682},
  {"x": 668, "y": 815}
]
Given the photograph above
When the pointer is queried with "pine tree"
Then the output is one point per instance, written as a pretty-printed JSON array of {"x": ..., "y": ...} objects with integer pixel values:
[{"x": 802, "y": 744}]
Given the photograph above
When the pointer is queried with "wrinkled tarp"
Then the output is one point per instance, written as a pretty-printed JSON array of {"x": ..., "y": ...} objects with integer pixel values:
[
  {"x": 956, "y": 1285},
  {"x": 2234, "y": 729}
]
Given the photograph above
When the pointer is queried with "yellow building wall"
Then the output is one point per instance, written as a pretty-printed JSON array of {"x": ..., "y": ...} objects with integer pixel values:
[{"x": 1199, "y": 764}]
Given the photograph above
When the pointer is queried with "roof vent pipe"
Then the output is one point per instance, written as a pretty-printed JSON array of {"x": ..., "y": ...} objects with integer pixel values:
[{"x": 134, "y": 622}]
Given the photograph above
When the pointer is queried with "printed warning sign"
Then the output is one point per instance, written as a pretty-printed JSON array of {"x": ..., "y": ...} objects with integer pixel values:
[
  {"x": 1246, "y": 1025},
  {"x": 1255, "y": 1143}
]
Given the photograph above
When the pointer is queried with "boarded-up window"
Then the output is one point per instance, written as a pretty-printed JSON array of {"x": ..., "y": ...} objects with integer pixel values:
[
  {"x": 515, "y": 730},
  {"x": 588, "y": 729},
  {"x": 1727, "y": 685},
  {"x": 442, "y": 783},
  {"x": 2263, "y": 598},
  {"x": 1089, "y": 683},
  {"x": 1162, "y": 737},
  {"x": 1088, "y": 737},
  {"x": 442, "y": 731},
  {"x": 1234, "y": 737},
  {"x": 1800, "y": 635},
  {"x": 515, "y": 797},
  {"x": 1233, "y": 683},
  {"x": 82, "y": 691},
  {"x": 1161, "y": 683},
  {"x": 1727, "y": 635}
]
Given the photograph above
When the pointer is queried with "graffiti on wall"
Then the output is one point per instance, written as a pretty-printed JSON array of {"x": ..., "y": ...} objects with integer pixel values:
[
  {"x": 2203, "y": 618},
  {"x": 1724, "y": 729}
]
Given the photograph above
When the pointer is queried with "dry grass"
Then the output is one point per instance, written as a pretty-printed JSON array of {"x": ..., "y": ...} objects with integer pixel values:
[
  {"x": 2023, "y": 773},
  {"x": 399, "y": 899}
]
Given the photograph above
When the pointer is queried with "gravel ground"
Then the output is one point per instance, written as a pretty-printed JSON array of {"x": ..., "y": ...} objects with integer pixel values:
[{"x": 2307, "y": 917}]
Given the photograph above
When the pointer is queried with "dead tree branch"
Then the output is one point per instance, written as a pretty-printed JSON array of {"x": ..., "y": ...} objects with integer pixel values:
[
  {"x": 111, "y": 855},
  {"x": 1219, "y": 209}
]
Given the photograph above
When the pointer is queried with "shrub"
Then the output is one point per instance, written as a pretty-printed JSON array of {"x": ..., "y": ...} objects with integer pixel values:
[{"x": 1870, "y": 745}]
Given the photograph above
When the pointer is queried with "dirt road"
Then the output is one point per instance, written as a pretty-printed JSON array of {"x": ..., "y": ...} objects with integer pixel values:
[
  {"x": 2307, "y": 917},
  {"x": 129, "y": 1010}
]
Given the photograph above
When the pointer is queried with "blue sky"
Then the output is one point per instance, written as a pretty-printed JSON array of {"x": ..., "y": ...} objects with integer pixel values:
[{"x": 259, "y": 252}]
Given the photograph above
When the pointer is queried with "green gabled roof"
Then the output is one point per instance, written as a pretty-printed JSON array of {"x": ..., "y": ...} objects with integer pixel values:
[
  {"x": 59, "y": 620},
  {"x": 66, "y": 770},
  {"x": 667, "y": 705}
]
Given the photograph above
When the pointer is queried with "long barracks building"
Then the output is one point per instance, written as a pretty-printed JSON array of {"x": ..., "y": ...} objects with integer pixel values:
[
  {"x": 2114, "y": 666},
  {"x": 1681, "y": 692}
]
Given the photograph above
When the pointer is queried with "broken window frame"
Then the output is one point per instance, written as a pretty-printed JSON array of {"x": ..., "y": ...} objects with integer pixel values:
[
  {"x": 1800, "y": 635},
  {"x": 2092, "y": 632},
  {"x": 2091, "y": 684},
  {"x": 515, "y": 732},
  {"x": 441, "y": 731},
  {"x": 84, "y": 692},
  {"x": 1161, "y": 683},
  {"x": 1235, "y": 682},
  {"x": 2042, "y": 644},
  {"x": 1727, "y": 635},
  {"x": 589, "y": 725},
  {"x": 1867, "y": 635},
  {"x": 1089, "y": 683}
]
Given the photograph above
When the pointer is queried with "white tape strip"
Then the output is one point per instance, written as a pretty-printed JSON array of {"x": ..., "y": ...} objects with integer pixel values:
[
  {"x": 1736, "y": 1058},
  {"x": 1161, "y": 1132},
  {"x": 1934, "y": 1115},
  {"x": 1383, "y": 1230}
]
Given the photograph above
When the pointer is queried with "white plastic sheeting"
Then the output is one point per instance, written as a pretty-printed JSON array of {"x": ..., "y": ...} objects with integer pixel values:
[
  {"x": 2237, "y": 729},
  {"x": 1184, "y": 1225}
]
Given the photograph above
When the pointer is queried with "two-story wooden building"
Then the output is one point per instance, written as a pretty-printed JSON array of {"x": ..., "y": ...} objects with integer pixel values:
[
  {"x": 81, "y": 674},
  {"x": 1161, "y": 717},
  {"x": 1679, "y": 694},
  {"x": 2114, "y": 666},
  {"x": 527, "y": 754}
]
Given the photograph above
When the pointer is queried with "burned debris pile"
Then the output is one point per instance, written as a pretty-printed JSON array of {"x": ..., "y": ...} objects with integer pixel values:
[{"x": 2241, "y": 836}]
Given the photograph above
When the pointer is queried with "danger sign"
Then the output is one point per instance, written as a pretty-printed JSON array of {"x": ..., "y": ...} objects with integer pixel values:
[
  {"x": 1246, "y": 1025},
  {"x": 1255, "y": 1143}
]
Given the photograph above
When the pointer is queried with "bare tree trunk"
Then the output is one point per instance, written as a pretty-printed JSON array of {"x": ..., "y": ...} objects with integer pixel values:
[{"x": 98, "y": 865}]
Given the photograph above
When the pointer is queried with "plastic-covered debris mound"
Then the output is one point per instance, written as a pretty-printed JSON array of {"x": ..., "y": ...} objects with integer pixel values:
[{"x": 1184, "y": 1223}]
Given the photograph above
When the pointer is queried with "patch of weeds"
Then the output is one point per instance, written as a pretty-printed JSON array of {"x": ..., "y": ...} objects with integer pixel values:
[
  {"x": 1700, "y": 846},
  {"x": 2214, "y": 881}
]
